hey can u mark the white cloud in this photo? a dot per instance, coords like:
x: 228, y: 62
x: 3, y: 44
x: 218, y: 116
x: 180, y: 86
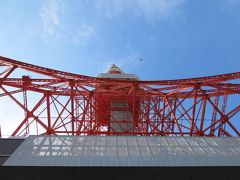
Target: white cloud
x: 110, y: 8
x: 49, y: 14
x: 83, y: 33
x: 157, y: 9
x: 54, y: 27
x: 11, y: 116
x: 149, y: 9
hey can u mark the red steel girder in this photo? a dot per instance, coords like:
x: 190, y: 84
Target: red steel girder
x: 75, y: 104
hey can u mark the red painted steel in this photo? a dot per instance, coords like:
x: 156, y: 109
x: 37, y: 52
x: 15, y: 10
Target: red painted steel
x: 57, y: 102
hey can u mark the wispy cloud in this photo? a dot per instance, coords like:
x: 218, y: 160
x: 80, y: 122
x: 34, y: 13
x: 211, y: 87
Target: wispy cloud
x: 83, y: 33
x: 158, y: 9
x: 111, y: 8
x: 50, y: 16
x: 56, y: 18
x: 9, y: 120
x: 54, y: 27
x: 149, y: 9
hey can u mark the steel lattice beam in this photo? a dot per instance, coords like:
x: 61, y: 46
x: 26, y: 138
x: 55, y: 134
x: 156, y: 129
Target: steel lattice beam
x: 75, y: 104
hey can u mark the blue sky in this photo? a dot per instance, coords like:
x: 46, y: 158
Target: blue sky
x: 175, y: 38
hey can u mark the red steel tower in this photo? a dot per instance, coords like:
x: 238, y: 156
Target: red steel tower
x: 116, y: 103
x: 118, y: 112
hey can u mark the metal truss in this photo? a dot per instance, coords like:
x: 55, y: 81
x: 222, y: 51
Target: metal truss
x: 62, y: 103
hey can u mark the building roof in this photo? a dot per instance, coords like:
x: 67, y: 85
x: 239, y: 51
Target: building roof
x: 122, y: 151
x: 7, y: 147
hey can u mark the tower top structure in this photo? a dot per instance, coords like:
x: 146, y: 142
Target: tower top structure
x: 116, y: 73
x: 115, y: 70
